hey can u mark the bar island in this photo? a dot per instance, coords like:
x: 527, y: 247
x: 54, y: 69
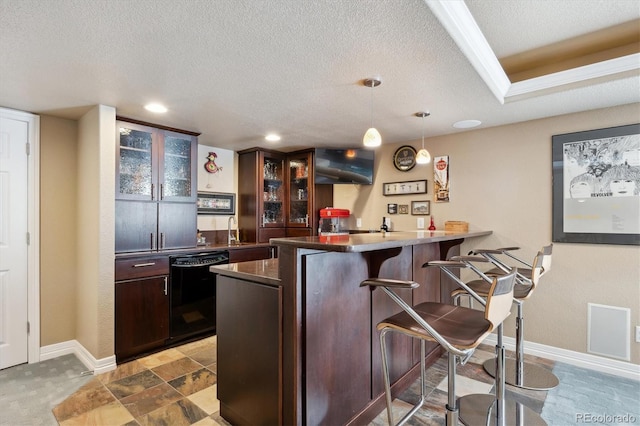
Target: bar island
x: 297, y: 338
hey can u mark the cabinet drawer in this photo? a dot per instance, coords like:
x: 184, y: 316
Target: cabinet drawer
x: 127, y: 269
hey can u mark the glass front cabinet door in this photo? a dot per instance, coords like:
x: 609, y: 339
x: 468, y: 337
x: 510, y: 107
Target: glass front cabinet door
x: 137, y: 158
x: 299, y: 208
x: 177, y: 177
x: 155, y: 164
x: 273, y: 191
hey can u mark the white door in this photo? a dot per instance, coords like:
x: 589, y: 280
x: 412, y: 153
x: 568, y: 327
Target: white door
x: 14, y: 136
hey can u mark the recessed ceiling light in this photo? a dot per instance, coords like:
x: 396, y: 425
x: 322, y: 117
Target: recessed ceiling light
x: 154, y: 107
x: 466, y: 124
x: 272, y: 137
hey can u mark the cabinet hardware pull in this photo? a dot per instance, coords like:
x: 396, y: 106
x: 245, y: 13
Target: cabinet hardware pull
x: 165, y: 286
x: 153, y: 190
x: 152, y: 241
x: 162, y: 240
x: 161, y: 191
x: 142, y: 265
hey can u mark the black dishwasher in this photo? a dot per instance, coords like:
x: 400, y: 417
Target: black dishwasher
x: 193, y: 294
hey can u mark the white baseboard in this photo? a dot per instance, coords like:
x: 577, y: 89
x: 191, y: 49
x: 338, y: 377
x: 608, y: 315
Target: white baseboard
x: 96, y: 366
x: 579, y: 359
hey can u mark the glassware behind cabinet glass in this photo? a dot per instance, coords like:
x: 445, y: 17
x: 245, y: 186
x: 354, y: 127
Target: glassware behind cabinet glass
x: 135, y: 162
x: 177, y: 167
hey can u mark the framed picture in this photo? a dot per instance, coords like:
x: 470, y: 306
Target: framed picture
x: 392, y: 208
x: 403, y: 208
x: 405, y: 188
x: 404, y: 159
x: 420, y: 207
x: 216, y: 203
x: 441, y: 179
x: 596, y: 184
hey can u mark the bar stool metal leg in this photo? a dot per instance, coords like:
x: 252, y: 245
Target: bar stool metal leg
x: 387, y: 381
x: 479, y: 409
x: 517, y: 372
x: 451, y: 416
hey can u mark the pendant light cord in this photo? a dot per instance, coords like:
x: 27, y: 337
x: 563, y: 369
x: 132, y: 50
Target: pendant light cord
x: 373, y: 84
x: 423, y: 116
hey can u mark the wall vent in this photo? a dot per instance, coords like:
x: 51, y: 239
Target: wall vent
x: 608, y: 329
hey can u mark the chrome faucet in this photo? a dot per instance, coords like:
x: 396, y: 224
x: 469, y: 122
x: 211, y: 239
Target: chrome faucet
x: 230, y: 237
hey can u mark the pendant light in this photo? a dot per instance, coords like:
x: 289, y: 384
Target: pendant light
x: 372, y: 137
x: 423, y: 156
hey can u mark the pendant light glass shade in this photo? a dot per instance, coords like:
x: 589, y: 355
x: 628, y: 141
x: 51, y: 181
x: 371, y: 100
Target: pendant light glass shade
x: 423, y: 156
x: 372, y: 138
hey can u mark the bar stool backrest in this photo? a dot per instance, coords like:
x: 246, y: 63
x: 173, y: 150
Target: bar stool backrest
x: 537, y: 271
x: 546, y: 260
x: 500, y: 299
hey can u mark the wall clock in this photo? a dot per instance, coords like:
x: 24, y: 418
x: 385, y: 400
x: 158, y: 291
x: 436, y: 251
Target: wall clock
x: 404, y: 158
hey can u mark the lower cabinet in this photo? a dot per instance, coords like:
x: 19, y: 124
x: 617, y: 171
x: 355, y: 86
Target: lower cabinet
x: 142, y: 315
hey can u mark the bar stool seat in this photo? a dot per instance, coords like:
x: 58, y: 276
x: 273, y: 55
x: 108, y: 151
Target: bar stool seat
x: 461, y: 327
x: 458, y: 330
x: 517, y: 372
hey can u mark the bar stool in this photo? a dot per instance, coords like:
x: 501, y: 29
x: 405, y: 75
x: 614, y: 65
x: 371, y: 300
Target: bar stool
x: 524, y: 273
x: 518, y: 373
x: 457, y: 329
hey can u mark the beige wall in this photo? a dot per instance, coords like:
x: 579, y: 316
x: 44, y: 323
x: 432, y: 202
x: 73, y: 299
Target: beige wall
x: 96, y: 199
x: 58, y: 232
x: 501, y: 181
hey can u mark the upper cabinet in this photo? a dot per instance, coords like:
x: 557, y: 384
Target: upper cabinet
x: 277, y: 195
x: 155, y: 164
x: 272, y: 206
x: 156, y: 188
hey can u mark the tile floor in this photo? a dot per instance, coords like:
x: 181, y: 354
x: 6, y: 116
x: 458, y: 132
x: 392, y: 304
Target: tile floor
x: 173, y: 387
x: 178, y: 387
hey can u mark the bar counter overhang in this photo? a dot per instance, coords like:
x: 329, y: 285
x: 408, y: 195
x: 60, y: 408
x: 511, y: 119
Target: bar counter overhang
x: 326, y: 349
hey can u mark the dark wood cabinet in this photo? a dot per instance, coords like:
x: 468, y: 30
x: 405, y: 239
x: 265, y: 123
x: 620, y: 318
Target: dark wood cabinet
x: 249, y: 320
x: 246, y: 254
x: 155, y: 188
x: 278, y: 196
x: 141, y: 305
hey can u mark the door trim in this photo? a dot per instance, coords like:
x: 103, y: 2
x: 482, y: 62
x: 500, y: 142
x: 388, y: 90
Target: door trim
x: 33, y: 228
x: 33, y: 225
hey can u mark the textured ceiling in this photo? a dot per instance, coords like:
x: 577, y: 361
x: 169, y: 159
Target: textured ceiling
x: 235, y: 70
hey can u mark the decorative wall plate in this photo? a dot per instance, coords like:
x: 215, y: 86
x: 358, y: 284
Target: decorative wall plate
x: 404, y: 158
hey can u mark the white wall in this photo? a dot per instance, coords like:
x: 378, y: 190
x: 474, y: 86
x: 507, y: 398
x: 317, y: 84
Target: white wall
x: 501, y: 181
x: 223, y: 180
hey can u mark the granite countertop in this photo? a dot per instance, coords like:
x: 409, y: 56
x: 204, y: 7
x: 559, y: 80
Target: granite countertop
x: 262, y: 271
x: 374, y: 241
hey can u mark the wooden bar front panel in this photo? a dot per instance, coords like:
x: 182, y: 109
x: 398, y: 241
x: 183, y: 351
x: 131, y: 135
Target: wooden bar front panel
x: 337, y: 339
x: 249, y: 327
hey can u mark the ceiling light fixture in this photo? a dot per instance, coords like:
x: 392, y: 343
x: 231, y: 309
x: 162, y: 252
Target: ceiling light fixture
x: 423, y: 156
x: 155, y: 107
x: 372, y: 137
x: 466, y: 124
x: 272, y: 137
